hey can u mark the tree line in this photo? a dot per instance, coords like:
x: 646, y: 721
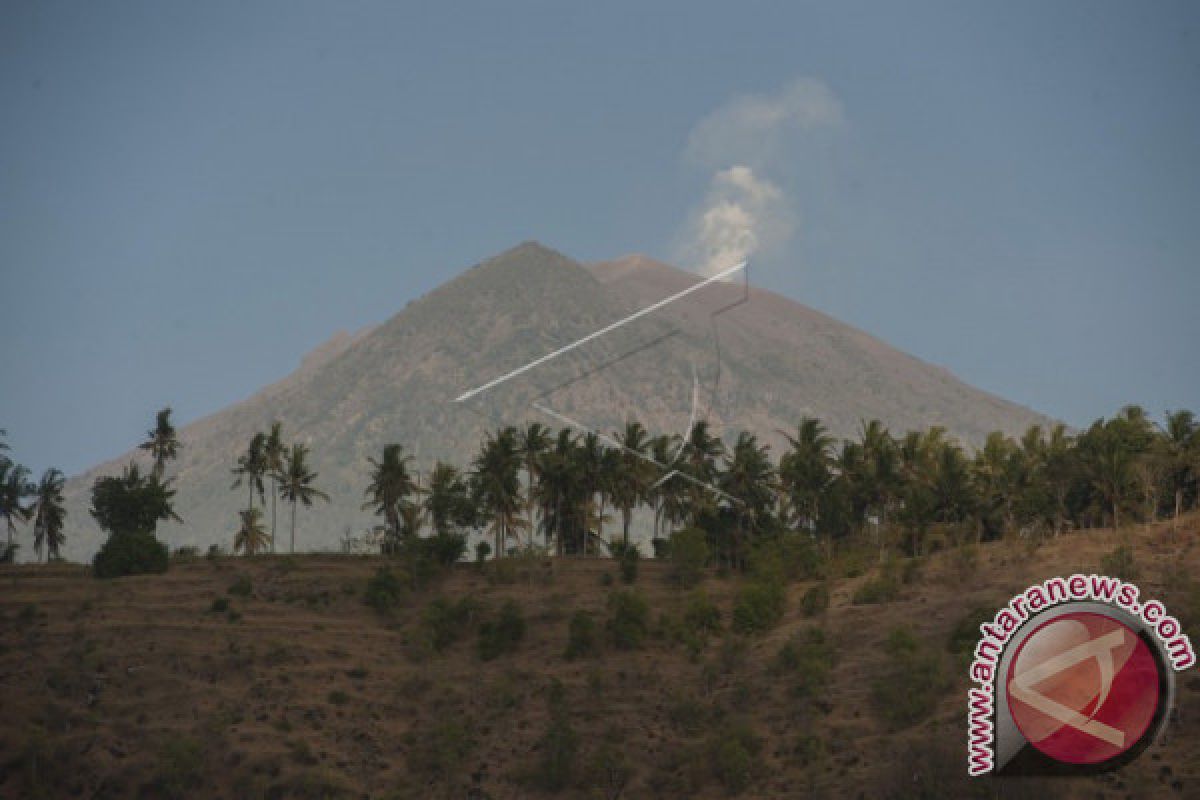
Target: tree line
x: 578, y: 493
x: 568, y: 492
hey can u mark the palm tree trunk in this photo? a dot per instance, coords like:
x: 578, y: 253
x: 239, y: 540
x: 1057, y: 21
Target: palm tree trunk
x: 274, y: 497
x: 1178, y: 504
x: 293, y: 526
x: 626, y: 514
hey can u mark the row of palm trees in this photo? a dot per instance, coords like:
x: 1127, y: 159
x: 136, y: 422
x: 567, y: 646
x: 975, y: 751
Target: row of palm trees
x: 902, y: 490
x: 23, y: 501
x: 267, y: 457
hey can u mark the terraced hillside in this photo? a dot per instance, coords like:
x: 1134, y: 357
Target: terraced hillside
x: 272, y: 678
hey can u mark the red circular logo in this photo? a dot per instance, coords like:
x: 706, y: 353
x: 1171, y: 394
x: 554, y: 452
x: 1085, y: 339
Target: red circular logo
x: 1083, y: 688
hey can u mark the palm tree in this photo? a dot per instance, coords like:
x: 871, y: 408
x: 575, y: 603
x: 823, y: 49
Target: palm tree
x: 1179, y: 450
x: 162, y: 442
x: 806, y: 471
x: 251, y: 537
x: 390, y: 485
x: 497, y: 485
x: 447, y: 500
x: 749, y: 478
x: 630, y: 484
x: 49, y: 513
x: 532, y: 443
x: 558, y: 491
x: 251, y: 467
x: 295, y: 484
x: 700, y: 454
x: 274, y: 452
x: 14, y: 487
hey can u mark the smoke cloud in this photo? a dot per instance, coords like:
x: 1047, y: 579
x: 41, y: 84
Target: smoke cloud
x: 744, y: 212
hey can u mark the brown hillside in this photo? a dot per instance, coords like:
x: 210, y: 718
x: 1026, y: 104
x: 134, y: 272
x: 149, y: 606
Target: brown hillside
x: 138, y: 688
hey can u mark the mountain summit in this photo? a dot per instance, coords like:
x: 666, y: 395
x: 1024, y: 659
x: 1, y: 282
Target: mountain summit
x: 756, y: 365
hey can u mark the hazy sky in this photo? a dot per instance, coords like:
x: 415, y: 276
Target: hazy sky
x: 193, y: 195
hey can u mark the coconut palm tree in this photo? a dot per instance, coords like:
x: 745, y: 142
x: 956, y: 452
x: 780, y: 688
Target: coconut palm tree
x: 447, y: 500
x: 49, y: 513
x: 749, y: 478
x: 390, y: 485
x: 1179, y: 450
x: 558, y: 492
x: 274, y: 452
x: 296, y: 483
x: 806, y: 471
x: 162, y: 442
x: 633, y: 476
x: 14, y: 488
x: 700, y: 453
x: 251, y: 467
x: 532, y: 443
x: 497, y: 486
x: 251, y: 536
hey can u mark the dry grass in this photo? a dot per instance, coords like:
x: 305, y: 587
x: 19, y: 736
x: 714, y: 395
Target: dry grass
x: 294, y: 687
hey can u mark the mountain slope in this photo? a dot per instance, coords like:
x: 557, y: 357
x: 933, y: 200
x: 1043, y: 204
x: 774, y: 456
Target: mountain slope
x: 395, y: 382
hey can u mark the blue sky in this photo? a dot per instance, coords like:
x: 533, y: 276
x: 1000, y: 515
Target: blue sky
x: 194, y: 195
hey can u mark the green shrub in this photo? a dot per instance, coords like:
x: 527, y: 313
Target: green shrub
x: 482, y: 551
x: 582, y: 636
x: 186, y: 552
x: 627, y: 556
x: 338, y: 698
x: 242, y: 586
x: 445, y: 621
x: 759, y: 606
x: 439, y: 753
x: 180, y: 768
x: 912, y: 683
x: 808, y: 658
x: 815, y: 600
x: 219, y: 605
x: 629, y: 619
x: 137, y: 553
x: 662, y: 548
x: 734, y: 755
x: 786, y: 558
x: 558, y: 748
x: 965, y: 633
x: 881, y: 589
x: 443, y: 549
x: 384, y: 590
x: 688, y: 553
x: 503, y: 634
x: 1120, y: 563
x: 701, y: 616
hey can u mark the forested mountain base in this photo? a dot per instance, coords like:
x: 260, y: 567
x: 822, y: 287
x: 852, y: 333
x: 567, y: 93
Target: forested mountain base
x: 340, y: 676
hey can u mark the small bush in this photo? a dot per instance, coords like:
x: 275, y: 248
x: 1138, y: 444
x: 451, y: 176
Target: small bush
x: 482, y: 551
x: 1120, y: 563
x: 242, y: 586
x: 759, y: 606
x: 582, y: 636
x: 384, y: 590
x: 213, y: 552
x: 662, y: 548
x: 688, y: 553
x: 913, y: 682
x: 734, y: 754
x: 629, y: 619
x: 186, y: 552
x: 809, y: 658
x: 701, y: 617
x: 878, y: 590
x: 559, y: 748
x: 445, y: 621
x: 815, y: 600
x: 965, y: 633
x: 130, y: 554
x: 627, y: 556
x: 503, y: 634
x: 180, y: 768
x: 219, y: 605
x: 338, y: 698
x: 439, y: 753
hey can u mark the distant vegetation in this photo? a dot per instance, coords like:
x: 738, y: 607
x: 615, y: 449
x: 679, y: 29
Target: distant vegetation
x: 906, y: 494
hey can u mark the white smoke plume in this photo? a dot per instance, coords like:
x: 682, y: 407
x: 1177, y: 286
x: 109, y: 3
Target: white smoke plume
x: 744, y: 212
